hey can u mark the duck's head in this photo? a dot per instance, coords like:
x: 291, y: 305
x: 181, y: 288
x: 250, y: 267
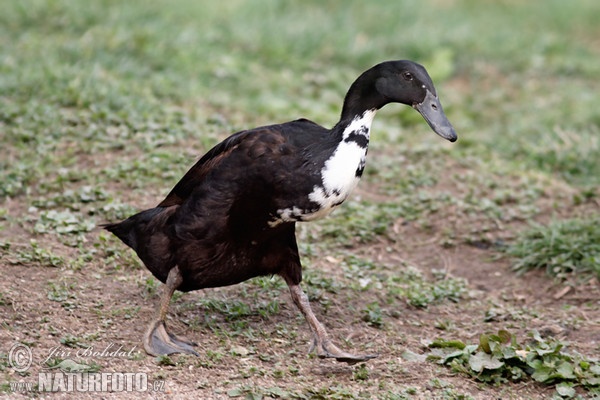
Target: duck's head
x: 409, y: 83
x: 403, y: 82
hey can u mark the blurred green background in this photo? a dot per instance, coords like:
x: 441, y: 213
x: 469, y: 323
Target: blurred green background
x: 518, y: 79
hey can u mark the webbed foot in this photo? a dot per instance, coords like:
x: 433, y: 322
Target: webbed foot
x: 321, y: 344
x: 326, y: 349
x: 158, y: 341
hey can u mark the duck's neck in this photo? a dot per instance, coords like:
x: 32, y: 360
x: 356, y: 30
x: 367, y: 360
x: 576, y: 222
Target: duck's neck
x: 358, y: 128
x: 361, y: 99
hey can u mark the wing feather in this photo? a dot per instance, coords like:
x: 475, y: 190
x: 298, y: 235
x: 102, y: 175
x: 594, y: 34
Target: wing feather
x: 198, y: 172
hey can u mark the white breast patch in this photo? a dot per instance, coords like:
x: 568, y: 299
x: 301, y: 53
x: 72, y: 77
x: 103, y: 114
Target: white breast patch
x: 339, y: 175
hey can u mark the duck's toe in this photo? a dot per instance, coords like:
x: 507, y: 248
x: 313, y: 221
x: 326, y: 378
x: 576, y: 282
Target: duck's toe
x: 355, y: 358
x: 158, y: 341
x: 326, y: 349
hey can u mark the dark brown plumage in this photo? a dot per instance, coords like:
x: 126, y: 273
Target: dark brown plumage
x: 232, y: 216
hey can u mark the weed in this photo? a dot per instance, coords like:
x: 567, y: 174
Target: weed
x: 73, y: 341
x: 6, y: 387
x: 62, y: 222
x: 332, y: 392
x: 373, y: 315
x: 364, y: 221
x: 259, y: 393
x: 360, y: 373
x: 165, y: 360
x: 71, y: 199
x: 125, y: 312
x: 4, y: 301
x: 115, y: 211
x: 71, y: 366
x: 562, y: 248
x: 60, y: 292
x: 267, y: 309
x: 38, y: 255
x: 420, y: 293
x: 571, y: 153
x: 114, y: 254
x: 4, y: 362
x: 230, y: 310
x: 316, y: 281
x: 500, y: 358
x: 151, y: 286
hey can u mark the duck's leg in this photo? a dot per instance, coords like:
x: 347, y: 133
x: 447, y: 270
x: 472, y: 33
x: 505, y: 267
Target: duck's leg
x: 157, y: 340
x: 321, y: 342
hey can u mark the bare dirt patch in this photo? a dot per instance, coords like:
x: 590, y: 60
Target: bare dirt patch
x: 62, y: 313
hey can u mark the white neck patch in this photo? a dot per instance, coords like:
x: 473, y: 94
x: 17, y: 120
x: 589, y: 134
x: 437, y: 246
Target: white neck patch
x: 340, y: 174
x: 360, y: 123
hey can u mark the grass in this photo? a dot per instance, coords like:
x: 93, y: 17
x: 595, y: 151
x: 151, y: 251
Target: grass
x: 104, y: 105
x: 562, y: 248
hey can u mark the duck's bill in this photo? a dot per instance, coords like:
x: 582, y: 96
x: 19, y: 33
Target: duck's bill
x: 431, y: 109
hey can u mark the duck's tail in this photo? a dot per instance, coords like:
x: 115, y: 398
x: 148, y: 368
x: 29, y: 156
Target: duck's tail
x: 145, y: 233
x: 130, y: 230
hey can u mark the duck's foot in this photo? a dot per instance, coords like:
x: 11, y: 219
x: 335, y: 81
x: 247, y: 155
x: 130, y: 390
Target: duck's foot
x: 325, y: 349
x: 158, y: 341
x: 321, y: 343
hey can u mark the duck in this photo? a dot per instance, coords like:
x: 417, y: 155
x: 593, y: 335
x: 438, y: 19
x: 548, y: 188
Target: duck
x: 233, y: 215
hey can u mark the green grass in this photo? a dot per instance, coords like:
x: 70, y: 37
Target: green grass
x: 562, y: 248
x: 104, y: 105
x: 78, y: 78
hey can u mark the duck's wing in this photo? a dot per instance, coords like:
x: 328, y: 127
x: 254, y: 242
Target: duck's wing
x: 198, y: 172
x: 247, y: 147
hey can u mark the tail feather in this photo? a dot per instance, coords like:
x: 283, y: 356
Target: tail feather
x: 122, y: 230
x: 133, y: 227
x: 145, y: 233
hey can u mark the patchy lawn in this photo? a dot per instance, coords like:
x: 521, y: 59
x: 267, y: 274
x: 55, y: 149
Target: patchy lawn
x: 104, y: 106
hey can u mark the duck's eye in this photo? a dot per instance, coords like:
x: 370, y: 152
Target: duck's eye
x: 407, y: 76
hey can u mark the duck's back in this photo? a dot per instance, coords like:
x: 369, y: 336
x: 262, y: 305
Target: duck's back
x: 230, y: 201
